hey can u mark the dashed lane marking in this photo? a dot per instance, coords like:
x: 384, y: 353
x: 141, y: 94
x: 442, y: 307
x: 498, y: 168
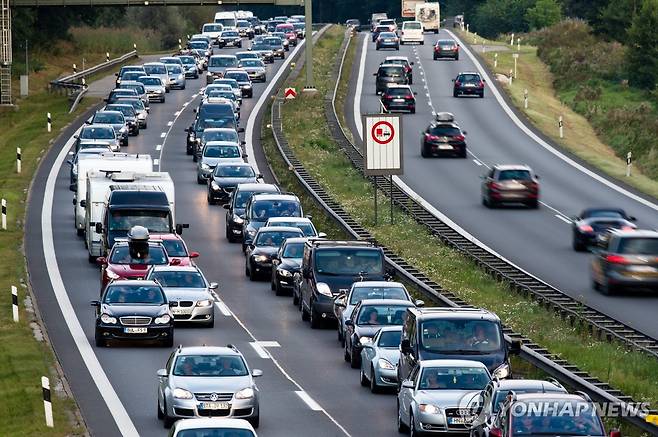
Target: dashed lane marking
x: 158, y: 147
x: 163, y: 134
x: 308, y: 400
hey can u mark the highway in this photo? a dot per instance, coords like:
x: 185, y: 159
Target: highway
x: 538, y: 241
x: 307, y: 388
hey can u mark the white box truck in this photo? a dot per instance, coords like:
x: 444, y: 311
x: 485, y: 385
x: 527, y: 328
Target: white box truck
x: 429, y: 15
x: 106, y: 162
x: 408, y: 8
x: 100, y: 186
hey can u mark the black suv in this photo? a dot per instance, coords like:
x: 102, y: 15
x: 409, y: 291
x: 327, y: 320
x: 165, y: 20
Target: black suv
x: 261, y: 207
x: 389, y: 74
x: 443, y: 137
x: 235, y: 208
x: 470, y: 84
x: 328, y: 269
x: 454, y: 333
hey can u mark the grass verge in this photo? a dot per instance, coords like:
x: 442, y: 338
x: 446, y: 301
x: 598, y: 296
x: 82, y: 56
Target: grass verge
x: 307, y: 133
x: 545, y: 106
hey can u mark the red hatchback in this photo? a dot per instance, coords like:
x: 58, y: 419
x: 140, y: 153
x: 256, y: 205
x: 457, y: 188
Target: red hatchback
x: 289, y: 30
x: 176, y: 249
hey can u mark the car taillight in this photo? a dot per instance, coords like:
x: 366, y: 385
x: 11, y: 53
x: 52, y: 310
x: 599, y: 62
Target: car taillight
x: 456, y: 48
x: 459, y: 137
x: 409, y: 96
x: 436, y: 48
x: 586, y: 228
x: 431, y: 137
x: 627, y: 228
x: 457, y: 83
x: 481, y: 85
x: 617, y: 259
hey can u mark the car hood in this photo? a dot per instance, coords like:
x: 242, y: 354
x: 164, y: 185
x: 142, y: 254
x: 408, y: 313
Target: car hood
x: 120, y: 310
x: 446, y: 398
x: 392, y: 355
x: 254, y: 69
x: 216, y: 69
x: 232, y: 182
x: 129, y: 269
x: 180, y: 293
x: 240, y: 212
x: 212, y: 162
x: 264, y: 250
x: 206, y: 384
x: 153, y: 87
x: 368, y: 330
x: 292, y: 264
x: 490, y: 359
x: 343, y: 283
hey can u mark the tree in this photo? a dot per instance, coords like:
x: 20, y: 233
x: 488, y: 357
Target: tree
x: 500, y: 16
x: 543, y: 14
x: 615, y: 19
x: 642, y: 55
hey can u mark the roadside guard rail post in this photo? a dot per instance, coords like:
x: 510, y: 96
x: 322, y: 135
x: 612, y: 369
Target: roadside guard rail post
x: 74, y: 85
x: 533, y: 353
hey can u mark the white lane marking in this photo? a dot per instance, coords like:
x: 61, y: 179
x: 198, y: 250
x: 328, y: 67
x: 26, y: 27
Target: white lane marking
x: 171, y: 126
x: 221, y: 306
x: 478, y: 163
x: 163, y: 134
x: 176, y: 113
x: 308, y: 400
x: 156, y: 162
x: 158, y: 147
x: 264, y: 97
x: 260, y: 350
x: 543, y: 143
x: 169, y: 123
x: 185, y: 104
x: 107, y: 392
x: 567, y: 221
x: 359, y: 88
x: 269, y: 343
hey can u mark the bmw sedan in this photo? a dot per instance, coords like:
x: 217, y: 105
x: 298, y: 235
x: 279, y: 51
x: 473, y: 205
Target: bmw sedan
x: 379, y: 359
x: 258, y: 255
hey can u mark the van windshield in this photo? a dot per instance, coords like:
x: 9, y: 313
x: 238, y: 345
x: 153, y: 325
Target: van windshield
x: 460, y: 336
x: 154, y: 221
x: 346, y: 261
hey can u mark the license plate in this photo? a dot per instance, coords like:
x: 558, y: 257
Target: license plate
x: 642, y: 269
x: 135, y: 330
x: 181, y: 310
x: 459, y: 420
x: 469, y: 85
x: 390, y: 40
x: 398, y: 100
x: 214, y: 406
x: 445, y: 147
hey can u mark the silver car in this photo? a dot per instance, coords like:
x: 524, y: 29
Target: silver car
x: 188, y: 292
x: 114, y: 119
x: 255, y: 68
x: 379, y: 359
x: 176, y: 76
x: 139, y: 88
x: 440, y: 396
x: 141, y: 110
x: 235, y: 86
x: 207, y: 381
x: 215, y: 152
x: 190, y: 66
x: 158, y: 69
x: 155, y: 88
x: 218, y: 64
x: 97, y: 135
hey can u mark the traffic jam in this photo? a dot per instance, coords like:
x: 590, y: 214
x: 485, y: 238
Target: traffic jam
x: 446, y: 369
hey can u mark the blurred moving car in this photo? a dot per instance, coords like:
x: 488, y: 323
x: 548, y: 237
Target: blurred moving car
x: 510, y: 184
x: 593, y: 223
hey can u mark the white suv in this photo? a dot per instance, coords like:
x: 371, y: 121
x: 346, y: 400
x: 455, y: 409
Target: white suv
x: 412, y: 31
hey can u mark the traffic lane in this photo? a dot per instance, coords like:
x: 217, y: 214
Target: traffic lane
x: 513, y: 235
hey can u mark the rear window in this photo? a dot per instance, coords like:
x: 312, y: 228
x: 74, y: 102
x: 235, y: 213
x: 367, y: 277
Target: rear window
x: 391, y: 71
x: 222, y: 152
x: 387, y: 35
x: 444, y: 131
x: 469, y: 78
x: 639, y: 246
x: 446, y: 43
x: 414, y: 25
x: 155, y: 69
x: 518, y: 175
x: 230, y: 34
x: 238, y: 75
x: 150, y: 80
x: 212, y: 27
x: 223, y: 61
x: 398, y: 91
x: 108, y: 118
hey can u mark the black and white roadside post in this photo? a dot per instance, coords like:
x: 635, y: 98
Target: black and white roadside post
x: 107, y: 56
x: 18, y: 160
x: 135, y: 46
x: 382, y: 149
x: 560, y: 125
x: 47, y: 404
x: 495, y: 60
x: 75, y: 69
x: 511, y: 42
x: 518, y: 44
x: 4, y: 215
x: 49, y: 121
x: 511, y: 75
x: 629, y: 164
x: 525, y: 98
x: 14, y: 302
x: 84, y: 83
x: 516, y: 58
x: 180, y: 44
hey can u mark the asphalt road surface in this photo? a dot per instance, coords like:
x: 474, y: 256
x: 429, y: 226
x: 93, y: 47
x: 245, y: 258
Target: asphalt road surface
x: 539, y: 241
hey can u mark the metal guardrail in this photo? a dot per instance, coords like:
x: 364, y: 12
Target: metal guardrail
x: 532, y: 352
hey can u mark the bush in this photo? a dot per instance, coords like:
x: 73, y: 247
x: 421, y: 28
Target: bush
x: 643, y: 42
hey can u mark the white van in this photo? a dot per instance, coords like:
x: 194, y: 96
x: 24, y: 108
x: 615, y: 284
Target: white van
x: 227, y: 19
x: 412, y: 31
x: 213, y: 30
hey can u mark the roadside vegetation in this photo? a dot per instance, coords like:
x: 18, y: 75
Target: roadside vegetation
x: 307, y: 133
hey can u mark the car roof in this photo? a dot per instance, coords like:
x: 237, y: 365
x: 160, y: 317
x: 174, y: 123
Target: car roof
x: 395, y: 58
x: 538, y: 384
x: 387, y: 302
x: 365, y: 284
x: 233, y: 164
x: 154, y: 63
x: 133, y: 282
x: 255, y: 186
x: 451, y: 363
x: 503, y: 167
x: 551, y: 396
x: 296, y: 240
x: 398, y: 85
x: 98, y: 126
x: 167, y: 268
x: 108, y: 111
x: 207, y: 350
x: 278, y: 229
x: 430, y: 313
x: 223, y: 56
x: 348, y: 244
x: 391, y: 328
x: 289, y: 219
x: 274, y: 196
x: 390, y: 65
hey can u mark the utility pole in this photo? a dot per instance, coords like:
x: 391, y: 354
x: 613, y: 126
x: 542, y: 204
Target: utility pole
x: 308, y: 16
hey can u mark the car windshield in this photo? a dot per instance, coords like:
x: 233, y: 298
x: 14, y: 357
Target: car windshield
x: 108, y: 118
x: 444, y: 131
x: 414, y: 25
x: 234, y: 171
x: 230, y: 34
x: 126, y: 110
x: 223, y: 61
x: 516, y: 175
x: 219, y: 135
x: 226, y: 121
x: 260, y: 46
x: 252, y: 63
x: 556, y: 417
x: 231, y: 82
x: 374, y: 292
x: 639, y: 246
x: 453, y: 378
x: 175, y: 247
x: 215, y: 110
x: 199, y: 45
x: 133, y: 294
x: 179, y: 279
x: 385, y: 35
x: 155, y: 69
x: 131, y: 75
x: 272, y: 41
x: 390, y: 339
x: 346, y: 261
x: 293, y: 250
x: 262, y: 210
x: 125, y: 219
x: 240, y: 76
x: 299, y: 26
x: 391, y: 71
x: 97, y: 133
x: 153, y: 81
x: 139, y: 88
x: 607, y: 213
x: 221, y: 152
x: 137, y: 104
x: 209, y: 365
x: 187, y: 60
x: 121, y: 255
x: 174, y: 69
x: 274, y: 238
x: 306, y: 227
x: 399, y: 92
x: 212, y: 28
x: 381, y: 315
x: 469, y: 78
x: 461, y: 336
x: 243, y: 196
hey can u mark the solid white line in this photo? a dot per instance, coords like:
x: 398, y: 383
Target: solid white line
x: 260, y: 350
x: 478, y: 163
x: 359, y: 88
x: 176, y: 113
x: 109, y: 395
x: 567, y: 221
x: 224, y: 309
x: 543, y: 143
x: 269, y: 343
x: 308, y: 400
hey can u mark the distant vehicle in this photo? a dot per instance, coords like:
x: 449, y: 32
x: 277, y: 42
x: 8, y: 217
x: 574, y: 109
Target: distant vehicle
x: 593, y: 223
x: 354, y: 23
x: 255, y: 68
x: 389, y: 74
x: 226, y: 19
x: 429, y: 14
x: 303, y: 223
x: 116, y: 120
x: 190, y: 66
x: 458, y: 21
x: 125, y: 69
x: 244, y: 29
x: 412, y: 31
x: 284, y: 39
x: 229, y: 38
x: 264, y: 51
x: 212, y: 30
x: 275, y: 44
x: 376, y: 18
x: 468, y: 83
x: 176, y: 76
x: 218, y: 64
x: 242, y: 78
x: 159, y: 70
x: 265, y: 245
x: 391, y: 23
x: 216, y: 152
x: 235, y: 209
x: 141, y: 111
x: 120, y: 92
x: 446, y: 48
x: 262, y: 207
x: 377, y: 30
x: 387, y: 40
x: 510, y: 184
x: 398, y: 98
x: 443, y: 137
x: 379, y: 358
x: 97, y: 136
x: 129, y: 115
x: 226, y: 177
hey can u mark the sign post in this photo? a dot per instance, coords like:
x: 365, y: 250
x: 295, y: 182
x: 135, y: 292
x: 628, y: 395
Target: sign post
x: 382, y: 151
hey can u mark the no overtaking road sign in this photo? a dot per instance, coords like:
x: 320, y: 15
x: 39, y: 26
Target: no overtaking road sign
x: 383, y: 144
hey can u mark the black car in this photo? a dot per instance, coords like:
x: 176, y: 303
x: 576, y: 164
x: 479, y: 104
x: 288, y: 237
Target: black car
x: 262, y: 207
x: 470, y: 84
x: 329, y: 268
x: 133, y: 310
x: 593, y: 223
x: 235, y: 208
x: 368, y: 317
x: 229, y: 38
x: 399, y: 98
x: 268, y: 240
x: 443, y: 137
x: 226, y: 177
x: 286, y: 263
x: 389, y: 74
x: 446, y: 48
x: 404, y: 61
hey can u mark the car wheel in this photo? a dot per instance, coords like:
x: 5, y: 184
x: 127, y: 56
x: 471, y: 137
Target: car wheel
x: 255, y: 421
x: 413, y: 110
x: 339, y: 333
x: 482, y: 95
x: 162, y: 100
x: 194, y: 157
x: 411, y: 81
x: 533, y: 204
x: 578, y: 245
x: 377, y: 48
x: 168, y: 421
x: 397, y: 48
x: 455, y: 94
x: 295, y: 299
x: 160, y: 415
x: 412, y: 428
x: 252, y: 274
x: 402, y: 428
x: 278, y: 291
x: 305, y: 315
x: 246, y: 270
x: 462, y: 153
x: 210, y: 201
x: 457, y: 58
x: 354, y: 358
x: 374, y: 388
x: 435, y: 57
x: 362, y: 378
x: 607, y: 289
x: 80, y: 232
x: 423, y: 152
x: 100, y: 341
x: 346, y: 354
x: 143, y: 127
x: 211, y: 323
x: 316, y: 322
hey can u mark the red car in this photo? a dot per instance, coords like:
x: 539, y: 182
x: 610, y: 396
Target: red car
x: 289, y: 30
x: 120, y: 263
x: 176, y: 249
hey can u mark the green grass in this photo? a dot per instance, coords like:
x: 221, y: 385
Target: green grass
x: 307, y: 133
x: 117, y: 41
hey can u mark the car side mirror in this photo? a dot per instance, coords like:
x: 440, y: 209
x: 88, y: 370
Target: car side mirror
x: 96, y: 303
x: 420, y: 303
x: 116, y: 74
x: 515, y: 347
x: 194, y: 254
x: 349, y: 323
x: 83, y: 203
x: 180, y: 227
x: 240, y: 130
x: 244, y: 155
x: 250, y: 246
x: 256, y: 373
x: 226, y: 206
x: 76, y: 136
x: 213, y: 286
x: 407, y: 383
x: 101, y: 260
x: 88, y: 122
x: 194, y: 110
x: 374, y: 74
x: 275, y: 256
x: 405, y: 347
x: 537, y: 176
x: 99, y: 228
x: 162, y: 373
x: 322, y: 235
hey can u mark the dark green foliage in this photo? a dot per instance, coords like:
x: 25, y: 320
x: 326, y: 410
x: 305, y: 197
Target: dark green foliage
x: 642, y: 54
x: 500, y: 16
x: 543, y: 14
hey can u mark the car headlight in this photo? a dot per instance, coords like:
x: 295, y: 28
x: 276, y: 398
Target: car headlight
x: 501, y: 371
x: 324, y: 289
x: 163, y: 320
x: 214, y: 185
x: 429, y: 409
x: 181, y: 76
x: 205, y: 166
x: 260, y: 258
x: 245, y: 393
x: 141, y: 115
x: 74, y: 169
x: 237, y: 219
x: 181, y: 393
x: 123, y: 130
x: 106, y: 318
x: 110, y: 274
x: 251, y: 232
x: 221, y: 39
x: 204, y: 303
x: 385, y: 364
x: 365, y: 340
x: 286, y: 273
